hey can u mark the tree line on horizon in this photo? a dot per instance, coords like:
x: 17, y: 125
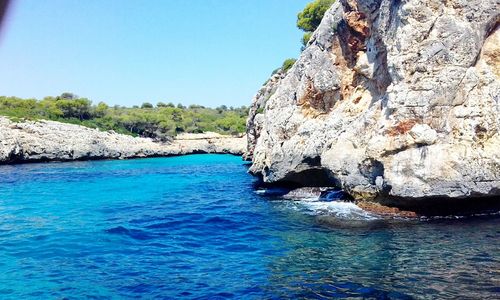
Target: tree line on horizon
x: 161, y: 121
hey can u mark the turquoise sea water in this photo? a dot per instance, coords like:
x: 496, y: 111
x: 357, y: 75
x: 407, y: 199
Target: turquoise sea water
x: 192, y: 227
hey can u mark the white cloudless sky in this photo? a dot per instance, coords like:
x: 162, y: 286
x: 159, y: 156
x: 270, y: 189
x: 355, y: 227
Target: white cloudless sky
x: 126, y: 52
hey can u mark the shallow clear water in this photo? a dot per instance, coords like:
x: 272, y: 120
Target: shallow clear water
x: 193, y: 227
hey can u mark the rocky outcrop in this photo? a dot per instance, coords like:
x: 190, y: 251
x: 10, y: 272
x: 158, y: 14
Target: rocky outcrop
x: 390, y: 100
x: 53, y: 141
x: 256, y: 111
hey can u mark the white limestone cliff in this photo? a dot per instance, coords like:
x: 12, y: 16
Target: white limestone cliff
x: 390, y: 99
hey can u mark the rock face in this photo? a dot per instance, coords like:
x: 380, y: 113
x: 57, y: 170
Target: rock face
x: 390, y: 100
x: 256, y: 111
x: 54, y: 141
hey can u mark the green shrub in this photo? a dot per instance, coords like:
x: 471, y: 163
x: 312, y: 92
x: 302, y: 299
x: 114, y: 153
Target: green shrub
x: 305, y: 38
x: 310, y: 18
x: 287, y: 64
x: 147, y: 105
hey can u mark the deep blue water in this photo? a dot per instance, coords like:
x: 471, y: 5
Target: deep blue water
x: 192, y: 227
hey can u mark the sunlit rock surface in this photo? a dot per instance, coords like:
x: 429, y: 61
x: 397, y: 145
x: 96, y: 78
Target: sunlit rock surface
x: 391, y: 99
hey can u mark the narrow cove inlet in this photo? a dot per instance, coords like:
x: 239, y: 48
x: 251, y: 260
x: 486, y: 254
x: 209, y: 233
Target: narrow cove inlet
x: 264, y: 149
x: 193, y: 227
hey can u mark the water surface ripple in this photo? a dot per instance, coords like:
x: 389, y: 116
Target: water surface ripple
x: 192, y: 227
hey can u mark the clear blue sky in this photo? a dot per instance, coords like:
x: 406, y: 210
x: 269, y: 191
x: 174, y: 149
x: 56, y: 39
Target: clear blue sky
x: 126, y: 52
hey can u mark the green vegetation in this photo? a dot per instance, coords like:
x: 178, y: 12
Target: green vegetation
x: 310, y: 18
x: 306, y: 37
x: 287, y: 64
x: 160, y: 122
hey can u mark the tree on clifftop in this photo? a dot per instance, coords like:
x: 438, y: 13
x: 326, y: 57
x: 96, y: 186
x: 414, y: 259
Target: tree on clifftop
x: 310, y: 18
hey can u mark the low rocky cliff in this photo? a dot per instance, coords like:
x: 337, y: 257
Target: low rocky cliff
x: 391, y: 99
x: 53, y: 141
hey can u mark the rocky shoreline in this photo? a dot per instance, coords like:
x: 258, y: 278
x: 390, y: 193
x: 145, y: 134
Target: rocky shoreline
x: 395, y: 103
x: 41, y: 141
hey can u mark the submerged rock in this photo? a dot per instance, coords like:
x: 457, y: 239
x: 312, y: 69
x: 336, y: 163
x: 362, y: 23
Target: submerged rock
x: 381, y: 210
x: 390, y: 100
x: 54, y: 141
